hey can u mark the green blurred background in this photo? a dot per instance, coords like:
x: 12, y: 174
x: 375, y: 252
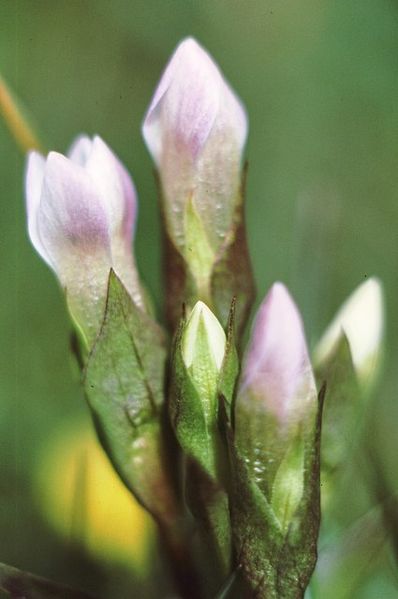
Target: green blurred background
x: 320, y: 82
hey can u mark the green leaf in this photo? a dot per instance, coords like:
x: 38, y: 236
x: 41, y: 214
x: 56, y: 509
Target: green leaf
x: 124, y: 387
x: 22, y: 585
x: 342, y: 411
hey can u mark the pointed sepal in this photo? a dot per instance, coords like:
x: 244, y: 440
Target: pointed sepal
x: 124, y: 388
x: 343, y: 414
x: 276, y: 561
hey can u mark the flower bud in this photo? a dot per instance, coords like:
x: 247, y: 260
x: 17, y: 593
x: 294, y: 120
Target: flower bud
x: 81, y: 215
x: 198, y: 360
x: 360, y: 318
x: 195, y: 129
x: 277, y: 371
x: 276, y: 402
x: 203, y: 347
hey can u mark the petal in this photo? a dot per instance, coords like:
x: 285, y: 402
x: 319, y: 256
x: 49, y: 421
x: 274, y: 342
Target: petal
x: 80, y: 149
x: 71, y: 218
x: 202, y: 318
x: 361, y: 319
x: 115, y: 186
x: 190, y: 96
x: 277, y: 368
x: 33, y: 189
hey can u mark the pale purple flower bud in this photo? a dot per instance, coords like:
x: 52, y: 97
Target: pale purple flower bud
x: 277, y: 371
x: 195, y: 129
x: 81, y: 215
x: 277, y: 404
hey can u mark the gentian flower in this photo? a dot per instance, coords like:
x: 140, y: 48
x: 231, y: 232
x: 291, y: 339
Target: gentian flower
x: 81, y: 216
x: 195, y: 129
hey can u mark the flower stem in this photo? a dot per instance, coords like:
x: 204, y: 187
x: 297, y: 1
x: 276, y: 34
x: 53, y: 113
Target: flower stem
x: 17, y: 123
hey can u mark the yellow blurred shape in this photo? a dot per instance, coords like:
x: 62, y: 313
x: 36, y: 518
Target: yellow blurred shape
x: 17, y: 122
x: 85, y: 501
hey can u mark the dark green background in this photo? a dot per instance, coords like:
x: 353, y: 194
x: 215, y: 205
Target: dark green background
x: 320, y: 82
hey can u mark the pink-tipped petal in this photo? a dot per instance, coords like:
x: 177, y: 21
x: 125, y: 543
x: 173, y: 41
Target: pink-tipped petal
x: 70, y: 220
x: 191, y: 96
x: 81, y: 216
x: 33, y: 188
x: 115, y: 186
x: 277, y: 368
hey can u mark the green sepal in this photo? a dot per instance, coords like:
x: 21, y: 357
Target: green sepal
x: 232, y: 275
x: 18, y: 584
x: 288, y: 484
x: 230, y: 366
x: 256, y: 531
x: 342, y: 411
x: 276, y: 561
x: 194, y: 428
x: 199, y: 255
x: 124, y: 388
x: 300, y: 544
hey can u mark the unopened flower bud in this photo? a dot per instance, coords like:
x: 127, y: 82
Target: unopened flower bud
x: 195, y: 129
x: 360, y: 318
x: 277, y: 371
x: 276, y: 402
x: 81, y: 215
x: 203, y: 347
x: 194, y: 403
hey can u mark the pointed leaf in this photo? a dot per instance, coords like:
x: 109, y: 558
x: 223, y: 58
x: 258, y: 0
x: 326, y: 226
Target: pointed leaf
x: 342, y: 411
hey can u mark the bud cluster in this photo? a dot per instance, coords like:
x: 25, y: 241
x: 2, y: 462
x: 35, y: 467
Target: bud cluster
x: 245, y: 437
